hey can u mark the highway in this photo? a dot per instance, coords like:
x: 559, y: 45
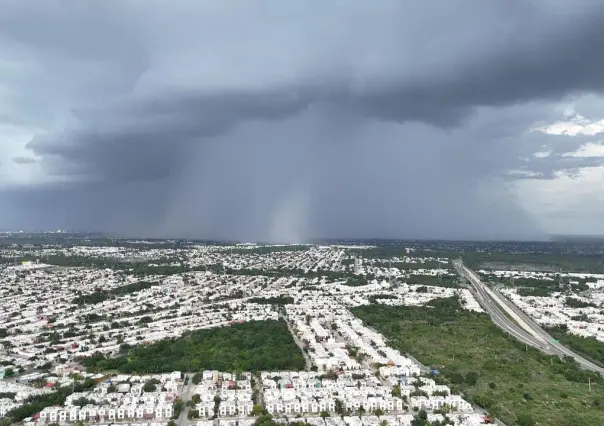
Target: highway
x: 513, y: 320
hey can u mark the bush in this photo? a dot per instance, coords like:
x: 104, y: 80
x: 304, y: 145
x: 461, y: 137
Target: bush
x: 525, y: 419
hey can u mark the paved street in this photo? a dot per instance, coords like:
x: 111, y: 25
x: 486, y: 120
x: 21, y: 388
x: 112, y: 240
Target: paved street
x: 307, y: 362
x: 187, y: 393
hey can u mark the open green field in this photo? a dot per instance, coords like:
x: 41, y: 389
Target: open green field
x: 519, y: 386
x: 251, y: 346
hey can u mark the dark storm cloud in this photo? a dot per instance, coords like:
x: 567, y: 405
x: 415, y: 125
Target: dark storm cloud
x: 284, y: 121
x: 24, y: 160
x: 148, y: 141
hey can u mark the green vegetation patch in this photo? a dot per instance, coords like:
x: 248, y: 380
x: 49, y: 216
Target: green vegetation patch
x: 553, y: 262
x: 251, y: 346
x: 100, y: 295
x: 573, y: 302
x: 590, y: 347
x: 357, y: 281
x: 433, y: 280
x: 516, y: 384
x: 281, y: 300
x: 36, y: 403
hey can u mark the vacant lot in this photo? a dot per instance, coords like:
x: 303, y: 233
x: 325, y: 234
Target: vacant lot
x: 252, y: 346
x: 494, y: 371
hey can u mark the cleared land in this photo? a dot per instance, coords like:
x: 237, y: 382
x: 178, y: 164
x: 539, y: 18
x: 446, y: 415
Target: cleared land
x: 252, y: 346
x: 518, y: 385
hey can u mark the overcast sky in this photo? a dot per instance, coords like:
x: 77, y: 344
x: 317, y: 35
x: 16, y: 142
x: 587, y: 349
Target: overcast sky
x: 287, y: 120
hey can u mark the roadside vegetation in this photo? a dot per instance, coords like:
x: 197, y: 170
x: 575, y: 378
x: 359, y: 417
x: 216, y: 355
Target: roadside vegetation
x: 251, y: 346
x: 518, y: 385
x: 589, y: 347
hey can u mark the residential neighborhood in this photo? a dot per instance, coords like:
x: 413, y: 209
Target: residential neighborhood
x: 62, y: 306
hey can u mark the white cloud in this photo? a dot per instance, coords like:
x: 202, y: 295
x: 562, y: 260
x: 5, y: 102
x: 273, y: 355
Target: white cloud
x: 588, y: 150
x: 569, y: 201
x: 522, y: 174
x: 577, y: 125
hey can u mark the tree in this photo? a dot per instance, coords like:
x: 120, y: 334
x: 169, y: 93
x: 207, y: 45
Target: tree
x: 324, y: 414
x: 444, y: 409
x: 472, y: 378
x: 257, y: 410
x: 217, y: 401
x: 172, y: 423
x: 361, y: 410
x: 9, y: 372
x: 331, y: 375
x: 421, y: 419
x: 378, y: 412
x: 196, y: 398
x: 417, y: 422
x: 196, y: 378
x: 339, y: 406
x: 265, y: 420
x: 111, y: 388
x: 149, y: 386
x: 456, y: 378
x: 177, y: 407
x: 396, y: 391
x: 190, y: 403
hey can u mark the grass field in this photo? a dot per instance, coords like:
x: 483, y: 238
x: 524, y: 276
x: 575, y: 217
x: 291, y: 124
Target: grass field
x: 517, y: 385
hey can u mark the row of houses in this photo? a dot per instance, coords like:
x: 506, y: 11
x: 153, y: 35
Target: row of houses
x: 100, y: 414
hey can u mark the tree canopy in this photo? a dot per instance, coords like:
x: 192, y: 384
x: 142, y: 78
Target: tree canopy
x: 251, y: 346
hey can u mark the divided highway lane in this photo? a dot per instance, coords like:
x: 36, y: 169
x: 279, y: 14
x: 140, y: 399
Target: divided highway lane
x: 499, y: 317
x: 558, y: 348
x: 513, y: 320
